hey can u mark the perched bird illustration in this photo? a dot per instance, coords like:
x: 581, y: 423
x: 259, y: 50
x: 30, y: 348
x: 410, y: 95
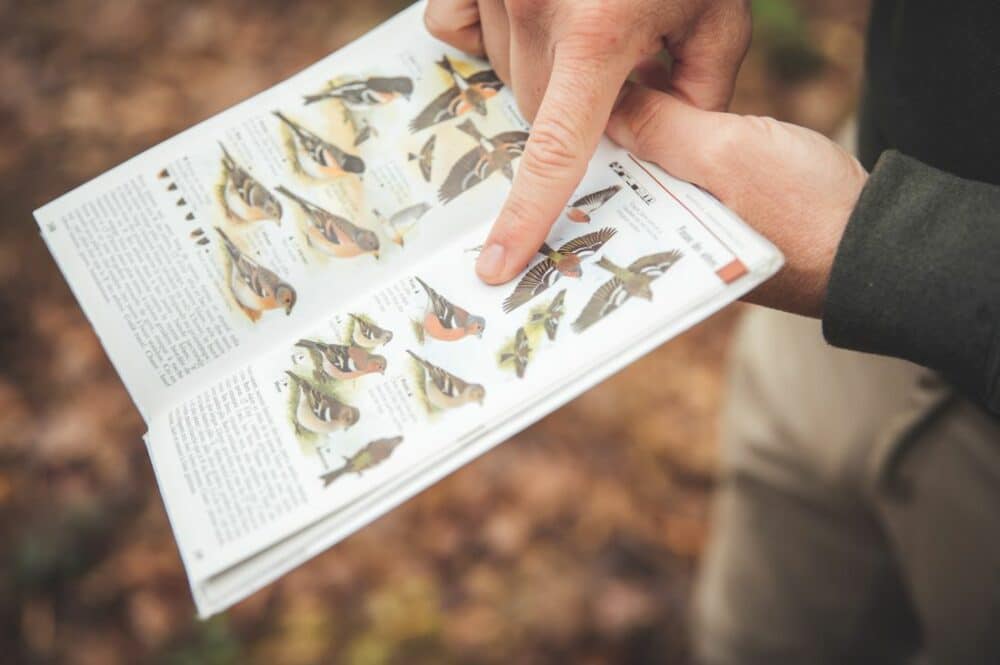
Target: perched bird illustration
x: 342, y: 361
x: 489, y: 156
x: 585, y: 206
x: 403, y: 221
x: 369, y: 335
x: 519, y: 354
x: 318, y: 158
x: 244, y: 197
x: 255, y: 288
x: 425, y: 160
x: 557, y: 263
x: 446, y: 321
x: 445, y: 390
x: 469, y: 93
x: 552, y: 315
x: 361, y: 95
x: 635, y: 281
x: 368, y: 457
x: 333, y: 234
x: 318, y: 412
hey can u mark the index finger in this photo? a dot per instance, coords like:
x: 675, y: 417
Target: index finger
x: 571, y: 119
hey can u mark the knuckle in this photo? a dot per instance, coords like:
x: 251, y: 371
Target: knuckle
x: 644, y: 121
x: 722, y: 144
x: 435, y: 24
x: 596, y: 30
x: 554, y: 148
x: 521, y: 222
x: 525, y: 11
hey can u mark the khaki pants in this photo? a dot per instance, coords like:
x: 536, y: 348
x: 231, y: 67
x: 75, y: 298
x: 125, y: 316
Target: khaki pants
x: 858, y: 520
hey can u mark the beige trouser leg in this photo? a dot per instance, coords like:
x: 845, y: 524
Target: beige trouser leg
x: 858, y: 519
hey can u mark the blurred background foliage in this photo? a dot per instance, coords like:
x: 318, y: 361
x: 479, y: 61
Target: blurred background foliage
x: 574, y: 542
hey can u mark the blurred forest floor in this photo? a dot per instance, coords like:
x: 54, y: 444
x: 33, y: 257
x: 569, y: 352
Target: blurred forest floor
x: 575, y: 542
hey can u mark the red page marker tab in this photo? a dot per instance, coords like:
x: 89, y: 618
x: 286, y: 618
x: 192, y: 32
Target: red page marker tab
x: 732, y: 271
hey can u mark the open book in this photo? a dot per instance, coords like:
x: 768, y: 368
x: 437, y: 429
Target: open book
x: 287, y: 290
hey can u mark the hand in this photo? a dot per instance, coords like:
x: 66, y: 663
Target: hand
x: 566, y: 61
x: 794, y: 186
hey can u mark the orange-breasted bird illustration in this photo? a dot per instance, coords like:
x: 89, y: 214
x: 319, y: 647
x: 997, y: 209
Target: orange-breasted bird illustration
x: 342, y: 361
x: 635, y: 281
x: 255, y: 288
x: 425, y: 159
x: 333, y: 234
x: 519, y: 354
x: 585, y: 206
x: 564, y: 262
x: 244, y: 197
x: 369, y: 335
x: 318, y: 412
x: 552, y: 315
x: 319, y: 158
x: 469, y: 93
x: 488, y: 157
x: 373, y: 454
x: 365, y: 94
x: 444, y: 390
x: 446, y: 321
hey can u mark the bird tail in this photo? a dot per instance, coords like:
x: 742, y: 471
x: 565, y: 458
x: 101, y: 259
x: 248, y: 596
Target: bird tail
x: 330, y: 476
x: 294, y: 377
x: 231, y: 248
x: 445, y: 64
x: 423, y: 363
x: 291, y: 125
x: 545, y: 249
x: 607, y: 264
x: 410, y: 157
x: 227, y: 159
x: 470, y: 128
x: 312, y: 99
x: 430, y: 292
x: 307, y: 344
x: 295, y: 197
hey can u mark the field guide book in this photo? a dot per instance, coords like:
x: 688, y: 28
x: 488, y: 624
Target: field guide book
x: 288, y: 292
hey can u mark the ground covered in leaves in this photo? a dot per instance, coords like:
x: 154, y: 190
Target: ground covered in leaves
x: 574, y: 542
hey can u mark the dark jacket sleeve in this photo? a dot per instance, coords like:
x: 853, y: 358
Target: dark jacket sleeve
x: 917, y: 275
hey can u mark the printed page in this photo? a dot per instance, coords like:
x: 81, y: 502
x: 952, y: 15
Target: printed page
x: 193, y: 257
x: 416, y: 377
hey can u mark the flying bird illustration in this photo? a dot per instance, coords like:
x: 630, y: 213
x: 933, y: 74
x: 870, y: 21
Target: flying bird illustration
x: 373, y: 454
x: 244, y: 197
x: 255, y: 288
x: 369, y: 335
x: 425, y: 159
x: 342, y: 361
x: 333, y: 234
x: 585, y: 206
x: 635, y: 281
x: 519, y: 354
x: 403, y: 221
x: 552, y: 315
x: 362, y: 95
x: 467, y: 94
x: 444, y: 390
x: 318, y: 158
x: 318, y: 412
x: 446, y: 321
x: 489, y: 156
x: 557, y: 263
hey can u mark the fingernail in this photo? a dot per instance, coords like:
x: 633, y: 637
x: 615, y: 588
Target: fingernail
x: 490, y: 262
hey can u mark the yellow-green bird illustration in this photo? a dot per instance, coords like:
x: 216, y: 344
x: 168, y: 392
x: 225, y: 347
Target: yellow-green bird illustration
x: 369, y: 335
x: 318, y: 412
x: 342, y: 361
x: 244, y: 197
x: 552, y: 315
x: 368, y: 457
x: 333, y: 234
x: 635, y: 281
x: 319, y: 158
x: 519, y: 354
x: 255, y: 288
x: 445, y: 390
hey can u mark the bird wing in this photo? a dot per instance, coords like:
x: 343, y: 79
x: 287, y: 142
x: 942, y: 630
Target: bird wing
x: 605, y: 300
x: 541, y: 276
x: 427, y: 157
x: 438, y: 110
x: 588, y: 244
x: 471, y: 169
x: 486, y: 78
x: 511, y: 142
x: 655, y: 265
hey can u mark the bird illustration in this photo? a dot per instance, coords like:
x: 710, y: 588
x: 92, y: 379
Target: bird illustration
x: 489, y: 156
x: 635, y: 281
x: 318, y: 158
x: 445, y: 390
x: 342, y: 361
x: 519, y: 354
x: 368, y: 335
x: 244, y: 197
x: 255, y: 288
x: 585, y: 206
x: 552, y: 315
x: 557, y: 263
x: 361, y: 95
x: 333, y: 234
x: 403, y: 221
x: 425, y: 159
x: 318, y: 412
x: 446, y: 321
x: 373, y: 454
x: 469, y: 93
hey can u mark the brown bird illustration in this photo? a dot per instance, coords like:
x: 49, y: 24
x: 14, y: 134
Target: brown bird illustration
x: 244, y: 197
x: 467, y: 94
x: 368, y: 457
x: 318, y: 412
x: 367, y: 334
x: 635, y: 281
x: 342, y: 361
x: 318, y: 158
x: 519, y: 354
x: 585, y: 206
x: 446, y: 321
x: 255, y: 288
x: 333, y: 234
x: 362, y: 95
x: 444, y: 390
x: 488, y: 157
x: 557, y: 263
x: 425, y: 160
x: 552, y: 315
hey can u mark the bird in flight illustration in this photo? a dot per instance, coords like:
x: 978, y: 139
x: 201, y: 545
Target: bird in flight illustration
x: 585, y: 206
x: 373, y: 454
x: 425, y: 159
x: 244, y: 197
x: 519, y: 354
x: 468, y: 93
x: 635, y: 281
x: 489, y: 156
x: 318, y: 412
x: 552, y: 315
x: 318, y: 158
x: 333, y: 234
x: 367, y: 334
x: 564, y: 262
x: 444, y: 390
x: 255, y: 288
x: 342, y: 361
x: 446, y: 321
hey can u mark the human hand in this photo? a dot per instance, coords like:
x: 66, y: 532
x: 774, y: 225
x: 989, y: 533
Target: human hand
x: 566, y: 61
x: 793, y: 185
